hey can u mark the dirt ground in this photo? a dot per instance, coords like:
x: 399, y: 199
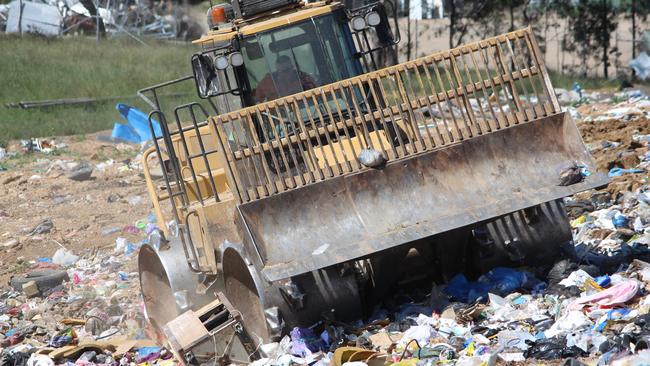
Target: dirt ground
x: 90, y: 215
x: 87, y: 215
x: 612, y: 146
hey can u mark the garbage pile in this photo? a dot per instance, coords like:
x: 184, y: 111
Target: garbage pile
x: 592, y: 306
x: 152, y: 18
x: 81, y: 310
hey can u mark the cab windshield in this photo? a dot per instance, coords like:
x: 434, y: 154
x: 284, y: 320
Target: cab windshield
x: 296, y: 58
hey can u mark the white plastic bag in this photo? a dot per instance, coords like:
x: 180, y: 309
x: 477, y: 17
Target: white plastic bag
x: 64, y: 257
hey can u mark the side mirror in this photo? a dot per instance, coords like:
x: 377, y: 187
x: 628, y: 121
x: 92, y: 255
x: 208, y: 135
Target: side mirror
x: 205, y: 76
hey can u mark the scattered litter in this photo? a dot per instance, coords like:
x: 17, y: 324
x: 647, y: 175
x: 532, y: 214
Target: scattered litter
x: 43, y: 227
x: 81, y: 173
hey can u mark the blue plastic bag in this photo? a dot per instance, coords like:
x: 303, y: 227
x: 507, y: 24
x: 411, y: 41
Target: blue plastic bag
x: 459, y: 288
x: 139, y: 121
x: 125, y: 133
x: 501, y: 281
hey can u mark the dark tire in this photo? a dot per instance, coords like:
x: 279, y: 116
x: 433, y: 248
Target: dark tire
x: 45, y: 279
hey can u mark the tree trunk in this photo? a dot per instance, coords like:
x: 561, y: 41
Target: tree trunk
x: 512, y: 17
x: 409, y: 45
x: 605, y: 36
x: 633, y: 28
x: 452, y: 23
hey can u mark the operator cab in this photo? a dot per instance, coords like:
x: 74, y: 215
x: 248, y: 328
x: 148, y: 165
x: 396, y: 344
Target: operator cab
x: 265, y: 54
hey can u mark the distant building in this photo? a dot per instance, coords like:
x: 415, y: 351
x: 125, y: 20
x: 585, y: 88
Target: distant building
x: 422, y: 9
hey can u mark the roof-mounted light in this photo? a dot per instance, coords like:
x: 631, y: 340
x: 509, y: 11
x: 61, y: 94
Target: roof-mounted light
x: 217, y: 15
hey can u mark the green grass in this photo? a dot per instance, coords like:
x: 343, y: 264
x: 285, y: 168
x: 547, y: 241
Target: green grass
x: 35, y: 68
x: 566, y: 82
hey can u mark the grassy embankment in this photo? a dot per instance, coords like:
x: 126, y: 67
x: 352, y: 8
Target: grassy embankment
x: 35, y: 68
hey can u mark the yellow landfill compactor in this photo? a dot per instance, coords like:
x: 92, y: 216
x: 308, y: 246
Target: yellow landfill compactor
x: 314, y: 173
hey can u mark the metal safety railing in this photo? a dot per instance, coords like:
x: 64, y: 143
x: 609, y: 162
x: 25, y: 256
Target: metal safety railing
x: 400, y: 111
x: 187, y: 155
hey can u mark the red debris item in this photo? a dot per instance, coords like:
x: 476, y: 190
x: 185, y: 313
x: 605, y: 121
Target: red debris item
x: 14, y: 312
x: 14, y: 339
x: 44, y: 265
x: 56, y: 295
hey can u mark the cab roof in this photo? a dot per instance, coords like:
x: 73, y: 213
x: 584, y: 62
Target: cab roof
x: 273, y: 20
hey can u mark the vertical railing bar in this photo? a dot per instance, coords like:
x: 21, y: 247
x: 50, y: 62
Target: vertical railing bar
x: 330, y: 145
x: 398, y: 101
x: 449, y: 104
x: 278, y: 139
x: 458, y: 59
x: 462, y: 58
x: 508, y: 72
x: 521, y: 72
x: 522, y: 80
x: 408, y: 84
x: 396, y: 126
x: 265, y: 168
x: 345, y: 130
x: 318, y: 139
x: 299, y: 143
x: 373, y: 92
x: 494, y: 88
x: 310, y: 147
x: 160, y: 158
x: 401, y: 86
x: 502, y: 82
x: 250, y: 173
x: 188, y: 156
x: 369, y: 47
x: 258, y: 177
x: 457, y: 97
x: 360, y: 115
x: 397, y: 95
x: 287, y: 136
x: 375, y: 125
x: 173, y: 157
x: 465, y: 97
x: 365, y: 61
x: 429, y: 106
x: 269, y: 143
x: 531, y: 77
x: 336, y: 131
x: 231, y: 160
x: 425, y: 66
x: 202, y: 147
x: 407, y: 124
x: 484, y: 90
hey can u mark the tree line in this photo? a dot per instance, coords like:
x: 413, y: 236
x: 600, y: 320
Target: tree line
x: 590, y: 23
